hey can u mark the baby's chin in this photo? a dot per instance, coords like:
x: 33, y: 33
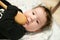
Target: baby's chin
x: 29, y: 29
x: 25, y: 25
x: 32, y: 30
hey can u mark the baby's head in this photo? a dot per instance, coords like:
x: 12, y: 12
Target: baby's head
x: 38, y: 18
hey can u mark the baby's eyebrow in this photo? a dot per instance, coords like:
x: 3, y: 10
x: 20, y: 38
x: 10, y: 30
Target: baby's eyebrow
x: 37, y: 16
x: 34, y: 12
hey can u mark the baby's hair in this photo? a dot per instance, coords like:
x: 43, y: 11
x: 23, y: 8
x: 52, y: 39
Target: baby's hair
x: 49, y: 17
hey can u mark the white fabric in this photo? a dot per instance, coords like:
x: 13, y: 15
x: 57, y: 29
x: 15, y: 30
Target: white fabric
x: 1, y: 11
x: 56, y: 32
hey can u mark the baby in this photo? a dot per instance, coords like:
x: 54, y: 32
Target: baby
x: 39, y: 18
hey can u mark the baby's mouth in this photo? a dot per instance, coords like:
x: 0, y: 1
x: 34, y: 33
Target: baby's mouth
x: 27, y: 21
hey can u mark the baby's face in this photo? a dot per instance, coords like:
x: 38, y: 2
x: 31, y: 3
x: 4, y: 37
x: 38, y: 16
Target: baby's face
x: 36, y: 18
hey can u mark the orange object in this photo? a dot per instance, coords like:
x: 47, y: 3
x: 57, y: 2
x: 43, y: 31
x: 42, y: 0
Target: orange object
x: 20, y: 18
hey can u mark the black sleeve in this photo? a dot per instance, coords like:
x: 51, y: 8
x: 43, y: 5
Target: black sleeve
x: 10, y: 12
x: 8, y: 27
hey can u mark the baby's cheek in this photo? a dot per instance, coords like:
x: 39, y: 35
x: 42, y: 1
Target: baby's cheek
x: 34, y: 26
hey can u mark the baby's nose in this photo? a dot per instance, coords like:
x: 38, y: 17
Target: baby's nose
x: 33, y: 17
x: 30, y: 19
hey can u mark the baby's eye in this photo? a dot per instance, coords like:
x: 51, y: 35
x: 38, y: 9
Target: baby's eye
x: 37, y: 21
x: 33, y: 13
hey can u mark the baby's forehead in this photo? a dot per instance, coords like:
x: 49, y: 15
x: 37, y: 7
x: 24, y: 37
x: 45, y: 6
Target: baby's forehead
x: 40, y: 11
x: 39, y: 8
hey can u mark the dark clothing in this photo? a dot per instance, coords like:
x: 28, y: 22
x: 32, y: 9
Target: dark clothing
x: 9, y: 29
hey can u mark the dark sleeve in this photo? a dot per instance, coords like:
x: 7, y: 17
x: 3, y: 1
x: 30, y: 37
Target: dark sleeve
x: 8, y: 27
